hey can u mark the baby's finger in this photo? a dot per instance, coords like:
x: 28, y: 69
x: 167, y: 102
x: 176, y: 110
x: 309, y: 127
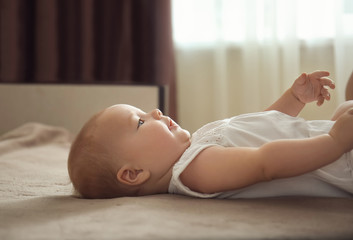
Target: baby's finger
x: 320, y: 100
x: 320, y: 74
x: 325, y: 94
x: 327, y: 82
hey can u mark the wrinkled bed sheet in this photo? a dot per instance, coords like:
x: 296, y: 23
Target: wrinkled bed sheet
x: 36, y: 202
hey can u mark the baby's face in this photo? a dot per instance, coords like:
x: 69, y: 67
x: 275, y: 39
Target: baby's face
x: 148, y: 140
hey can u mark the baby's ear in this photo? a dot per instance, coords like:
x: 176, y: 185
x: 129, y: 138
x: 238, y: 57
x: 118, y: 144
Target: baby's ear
x: 131, y: 176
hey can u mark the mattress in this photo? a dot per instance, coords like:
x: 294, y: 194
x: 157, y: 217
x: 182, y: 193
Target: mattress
x: 37, y: 202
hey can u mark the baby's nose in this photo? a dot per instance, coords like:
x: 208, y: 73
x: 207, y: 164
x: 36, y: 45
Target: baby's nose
x: 157, y: 114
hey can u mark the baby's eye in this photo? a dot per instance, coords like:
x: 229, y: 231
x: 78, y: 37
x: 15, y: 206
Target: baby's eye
x: 140, y: 122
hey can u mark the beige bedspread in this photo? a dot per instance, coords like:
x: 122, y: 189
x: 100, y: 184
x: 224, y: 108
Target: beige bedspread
x: 36, y: 203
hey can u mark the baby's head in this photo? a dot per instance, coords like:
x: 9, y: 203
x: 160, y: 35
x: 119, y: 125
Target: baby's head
x: 123, y: 151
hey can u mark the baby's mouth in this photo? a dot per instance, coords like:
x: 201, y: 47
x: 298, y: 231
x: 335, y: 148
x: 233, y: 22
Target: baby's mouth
x: 171, y: 124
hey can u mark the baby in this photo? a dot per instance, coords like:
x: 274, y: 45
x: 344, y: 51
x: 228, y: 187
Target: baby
x: 123, y: 151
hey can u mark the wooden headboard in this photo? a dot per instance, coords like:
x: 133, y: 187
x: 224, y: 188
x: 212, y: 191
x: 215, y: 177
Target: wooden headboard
x: 69, y: 105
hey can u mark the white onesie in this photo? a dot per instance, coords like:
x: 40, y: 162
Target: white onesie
x: 255, y: 129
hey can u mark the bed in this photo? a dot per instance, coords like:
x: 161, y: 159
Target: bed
x: 38, y: 124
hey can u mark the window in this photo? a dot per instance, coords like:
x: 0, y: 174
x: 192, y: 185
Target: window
x: 236, y: 21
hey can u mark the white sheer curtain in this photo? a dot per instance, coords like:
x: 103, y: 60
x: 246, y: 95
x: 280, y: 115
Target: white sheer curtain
x: 237, y: 56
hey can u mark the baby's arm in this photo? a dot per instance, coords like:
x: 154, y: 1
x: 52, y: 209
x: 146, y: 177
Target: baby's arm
x: 349, y: 88
x: 219, y: 169
x: 306, y: 88
x: 287, y: 104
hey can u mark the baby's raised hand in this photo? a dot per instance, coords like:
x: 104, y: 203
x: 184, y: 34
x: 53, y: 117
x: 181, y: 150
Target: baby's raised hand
x: 342, y: 131
x: 313, y: 87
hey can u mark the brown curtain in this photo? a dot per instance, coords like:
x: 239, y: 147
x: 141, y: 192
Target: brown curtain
x: 118, y: 41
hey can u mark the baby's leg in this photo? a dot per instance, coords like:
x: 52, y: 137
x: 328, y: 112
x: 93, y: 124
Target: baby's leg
x: 341, y: 109
x: 349, y: 88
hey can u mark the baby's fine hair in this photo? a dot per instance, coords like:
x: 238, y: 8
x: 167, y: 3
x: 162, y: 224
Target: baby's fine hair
x: 91, y: 166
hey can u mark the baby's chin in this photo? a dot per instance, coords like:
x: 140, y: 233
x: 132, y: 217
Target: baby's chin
x: 185, y: 137
x: 188, y: 137
x: 187, y: 133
